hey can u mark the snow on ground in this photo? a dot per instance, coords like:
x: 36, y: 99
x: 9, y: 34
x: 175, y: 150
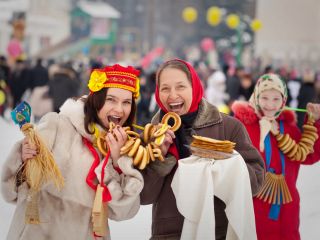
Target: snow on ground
x: 140, y: 226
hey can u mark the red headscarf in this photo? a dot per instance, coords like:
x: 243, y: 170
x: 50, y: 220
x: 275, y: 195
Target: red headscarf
x: 197, y: 94
x: 197, y: 88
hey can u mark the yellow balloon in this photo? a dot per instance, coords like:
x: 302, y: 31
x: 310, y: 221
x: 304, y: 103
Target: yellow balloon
x: 189, y: 14
x: 2, y: 97
x: 224, y: 109
x: 256, y: 25
x: 213, y: 16
x: 233, y: 21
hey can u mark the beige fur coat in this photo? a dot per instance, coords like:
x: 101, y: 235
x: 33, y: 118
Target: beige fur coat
x: 67, y: 214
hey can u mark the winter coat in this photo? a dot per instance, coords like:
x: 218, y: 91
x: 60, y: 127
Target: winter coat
x: 287, y: 226
x: 167, y: 222
x: 306, y: 94
x: 62, y: 86
x: 66, y: 214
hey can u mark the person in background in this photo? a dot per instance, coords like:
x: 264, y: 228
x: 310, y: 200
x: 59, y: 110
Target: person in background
x: 215, y: 92
x: 246, y: 87
x: 72, y: 137
x: 307, y: 93
x: 233, y: 84
x: 63, y: 85
x: 20, y: 80
x: 262, y: 115
x: 179, y: 89
x: 143, y: 116
x: 39, y: 74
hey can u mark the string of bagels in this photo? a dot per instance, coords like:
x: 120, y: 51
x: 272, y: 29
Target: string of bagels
x: 145, y: 147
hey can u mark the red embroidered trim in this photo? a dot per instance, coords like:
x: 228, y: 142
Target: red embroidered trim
x: 91, y: 177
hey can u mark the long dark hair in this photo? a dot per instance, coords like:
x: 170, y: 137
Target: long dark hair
x: 93, y: 104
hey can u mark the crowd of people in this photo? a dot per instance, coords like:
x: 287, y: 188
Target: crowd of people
x: 224, y: 104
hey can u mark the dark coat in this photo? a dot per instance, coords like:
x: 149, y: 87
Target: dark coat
x: 167, y: 222
x: 62, y: 86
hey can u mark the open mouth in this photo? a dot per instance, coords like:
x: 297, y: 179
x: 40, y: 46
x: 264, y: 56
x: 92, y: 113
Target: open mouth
x: 176, y: 106
x: 115, y: 119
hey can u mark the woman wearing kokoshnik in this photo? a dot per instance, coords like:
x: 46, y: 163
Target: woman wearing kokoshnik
x: 73, y: 136
x: 274, y: 131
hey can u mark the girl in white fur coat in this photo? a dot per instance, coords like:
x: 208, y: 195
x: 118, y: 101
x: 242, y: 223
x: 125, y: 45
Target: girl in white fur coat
x: 66, y: 214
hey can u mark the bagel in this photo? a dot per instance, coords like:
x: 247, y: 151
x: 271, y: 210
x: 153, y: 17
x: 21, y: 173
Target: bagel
x: 293, y: 151
x: 139, y: 155
x: 298, y: 154
x: 176, y: 118
x: 307, y: 140
x: 161, y: 131
x: 307, y: 146
x: 311, y: 135
x: 153, y: 145
x: 134, y: 148
x: 146, y: 132
x: 304, y: 154
x: 150, y: 151
x: 279, y: 136
x: 102, y: 145
x: 283, y: 141
x: 314, y: 135
x: 127, y: 146
x: 309, y: 127
x: 289, y: 146
x: 159, y: 140
x: 132, y: 134
x: 112, y: 125
x: 127, y: 128
x: 144, y: 160
x: 148, y: 156
x: 157, y: 153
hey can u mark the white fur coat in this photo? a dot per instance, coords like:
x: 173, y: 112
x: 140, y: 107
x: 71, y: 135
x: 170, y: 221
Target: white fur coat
x: 67, y: 214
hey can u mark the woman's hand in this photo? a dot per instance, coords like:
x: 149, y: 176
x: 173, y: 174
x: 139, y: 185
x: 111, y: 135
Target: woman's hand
x: 313, y: 109
x: 115, y: 142
x: 168, y: 140
x: 28, y: 150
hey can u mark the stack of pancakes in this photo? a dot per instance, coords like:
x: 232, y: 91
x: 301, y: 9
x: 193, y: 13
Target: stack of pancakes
x: 211, y: 148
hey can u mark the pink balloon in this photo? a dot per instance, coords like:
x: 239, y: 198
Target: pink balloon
x: 207, y: 44
x: 14, y: 48
x: 150, y: 56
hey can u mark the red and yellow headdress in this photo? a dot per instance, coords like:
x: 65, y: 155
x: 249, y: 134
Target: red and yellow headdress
x: 115, y: 76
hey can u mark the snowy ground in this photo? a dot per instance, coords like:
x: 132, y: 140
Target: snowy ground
x: 139, y: 226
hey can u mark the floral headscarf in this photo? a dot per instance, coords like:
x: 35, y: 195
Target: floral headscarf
x: 267, y: 82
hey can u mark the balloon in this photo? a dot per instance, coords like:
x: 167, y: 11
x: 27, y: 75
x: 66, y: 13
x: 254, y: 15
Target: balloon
x: 2, y: 97
x: 256, y: 25
x: 14, y: 48
x: 233, y: 21
x: 213, y: 16
x: 224, y: 109
x: 189, y: 14
x: 207, y: 44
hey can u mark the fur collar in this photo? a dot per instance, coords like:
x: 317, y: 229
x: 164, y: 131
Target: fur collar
x: 74, y: 111
x: 208, y: 115
x: 245, y: 113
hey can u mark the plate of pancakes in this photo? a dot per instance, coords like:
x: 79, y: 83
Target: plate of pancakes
x: 212, y: 148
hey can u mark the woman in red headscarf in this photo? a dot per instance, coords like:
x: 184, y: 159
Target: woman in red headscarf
x: 179, y: 90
